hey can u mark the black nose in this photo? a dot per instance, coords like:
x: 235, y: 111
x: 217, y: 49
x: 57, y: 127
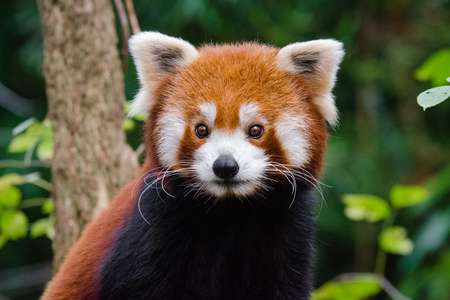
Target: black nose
x: 225, y: 166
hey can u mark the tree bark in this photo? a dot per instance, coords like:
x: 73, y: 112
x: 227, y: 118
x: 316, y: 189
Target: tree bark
x: 85, y: 97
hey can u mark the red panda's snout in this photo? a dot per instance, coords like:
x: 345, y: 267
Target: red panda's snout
x: 236, y: 119
x: 227, y: 163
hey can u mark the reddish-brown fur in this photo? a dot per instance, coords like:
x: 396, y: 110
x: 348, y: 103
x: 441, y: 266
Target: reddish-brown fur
x: 76, y: 278
x: 229, y: 76
x: 235, y: 74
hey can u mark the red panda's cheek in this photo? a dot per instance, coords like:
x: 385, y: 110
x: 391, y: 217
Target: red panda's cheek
x: 189, y: 144
x: 293, y: 136
x: 271, y: 145
x: 168, y: 136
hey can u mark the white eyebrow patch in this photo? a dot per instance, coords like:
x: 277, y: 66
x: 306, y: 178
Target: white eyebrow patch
x: 292, y: 133
x: 248, y: 112
x: 208, y: 110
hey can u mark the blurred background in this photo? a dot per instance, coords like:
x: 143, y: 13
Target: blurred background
x: 395, y: 50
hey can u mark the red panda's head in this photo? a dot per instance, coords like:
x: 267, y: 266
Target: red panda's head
x: 231, y: 117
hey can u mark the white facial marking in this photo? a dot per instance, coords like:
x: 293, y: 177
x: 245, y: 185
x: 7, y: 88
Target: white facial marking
x: 252, y: 163
x: 292, y: 133
x: 170, y: 129
x: 248, y: 113
x: 208, y: 110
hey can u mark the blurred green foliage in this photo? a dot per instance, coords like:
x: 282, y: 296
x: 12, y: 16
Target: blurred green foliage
x: 14, y: 222
x: 392, y: 239
x: 435, y: 68
x: 395, y: 49
x: 404, y: 196
x: 30, y: 136
x: 356, y: 288
x: 361, y: 207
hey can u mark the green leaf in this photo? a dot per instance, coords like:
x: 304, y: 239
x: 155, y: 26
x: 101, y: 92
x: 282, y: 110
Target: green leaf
x: 48, y: 207
x: 364, y: 207
x: 395, y: 240
x: 436, y: 68
x: 11, y: 179
x: 40, y: 228
x: 9, y: 196
x: 36, y: 129
x: 357, y: 288
x: 434, y: 96
x: 140, y: 117
x: 127, y: 106
x: 45, y: 149
x: 51, y: 228
x: 128, y: 124
x: 14, y: 224
x: 22, y: 143
x: 30, y: 137
x: 407, y: 195
x: 23, y: 126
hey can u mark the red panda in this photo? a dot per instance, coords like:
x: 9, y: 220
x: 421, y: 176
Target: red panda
x: 223, y: 208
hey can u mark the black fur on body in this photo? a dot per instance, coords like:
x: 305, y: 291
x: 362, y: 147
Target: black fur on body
x: 232, y: 249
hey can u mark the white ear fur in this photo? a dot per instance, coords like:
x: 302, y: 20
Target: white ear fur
x: 318, y: 60
x: 155, y: 55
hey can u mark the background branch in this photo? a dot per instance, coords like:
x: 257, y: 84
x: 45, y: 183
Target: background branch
x: 124, y: 26
x: 135, y: 28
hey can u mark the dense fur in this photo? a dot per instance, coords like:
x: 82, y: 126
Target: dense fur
x: 180, y: 230
x: 229, y: 77
x: 199, y: 250
x: 77, y: 276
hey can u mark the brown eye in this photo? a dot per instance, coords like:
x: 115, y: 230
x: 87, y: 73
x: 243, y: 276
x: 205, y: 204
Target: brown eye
x: 201, y: 130
x: 255, y: 131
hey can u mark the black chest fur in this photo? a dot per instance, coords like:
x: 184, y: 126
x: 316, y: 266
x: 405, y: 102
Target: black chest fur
x: 254, y: 249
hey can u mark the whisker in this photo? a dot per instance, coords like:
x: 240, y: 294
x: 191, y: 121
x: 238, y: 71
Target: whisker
x: 140, y: 199
x: 289, y: 176
x: 306, y: 176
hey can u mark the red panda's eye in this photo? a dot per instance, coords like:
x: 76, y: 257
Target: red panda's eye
x: 255, y: 131
x: 201, y: 130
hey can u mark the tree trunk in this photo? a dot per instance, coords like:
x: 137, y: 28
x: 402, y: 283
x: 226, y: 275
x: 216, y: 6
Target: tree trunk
x: 85, y: 98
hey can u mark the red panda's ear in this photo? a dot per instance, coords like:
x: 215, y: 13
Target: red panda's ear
x: 156, y: 55
x: 317, y: 61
